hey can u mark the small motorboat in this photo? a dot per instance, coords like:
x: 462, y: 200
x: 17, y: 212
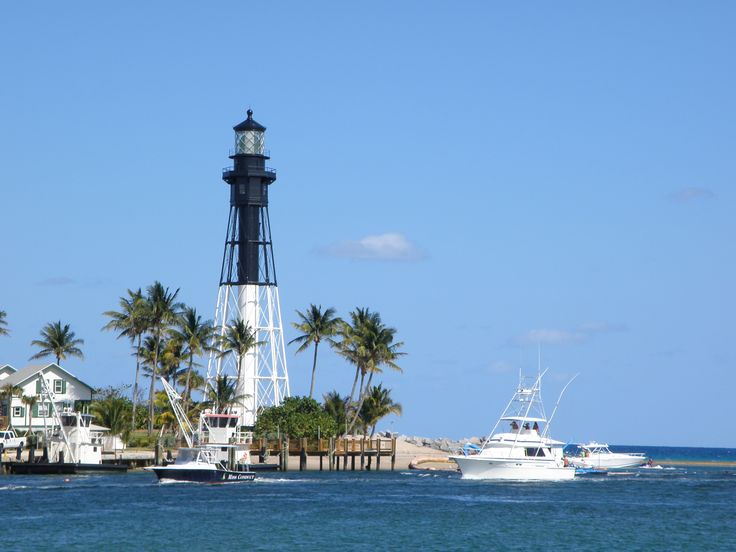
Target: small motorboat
x: 599, y: 455
x: 200, y: 465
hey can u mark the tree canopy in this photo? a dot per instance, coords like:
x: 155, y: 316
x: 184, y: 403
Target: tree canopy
x: 296, y: 417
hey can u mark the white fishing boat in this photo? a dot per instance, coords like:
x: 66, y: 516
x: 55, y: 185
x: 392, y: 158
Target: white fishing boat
x: 519, y: 447
x: 200, y: 465
x: 72, y: 442
x: 599, y: 455
x: 217, y: 452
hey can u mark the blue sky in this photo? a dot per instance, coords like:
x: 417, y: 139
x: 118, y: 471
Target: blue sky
x: 488, y: 176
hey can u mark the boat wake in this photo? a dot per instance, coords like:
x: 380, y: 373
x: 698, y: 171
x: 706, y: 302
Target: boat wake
x: 267, y: 480
x: 13, y: 487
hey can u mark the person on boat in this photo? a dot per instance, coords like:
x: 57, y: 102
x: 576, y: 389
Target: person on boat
x: 514, y: 425
x: 526, y: 426
x: 535, y: 427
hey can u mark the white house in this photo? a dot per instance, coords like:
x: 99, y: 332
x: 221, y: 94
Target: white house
x: 67, y: 388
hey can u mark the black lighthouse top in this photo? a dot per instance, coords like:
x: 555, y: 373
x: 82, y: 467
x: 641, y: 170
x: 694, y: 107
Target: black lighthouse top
x: 249, y: 124
x: 248, y: 258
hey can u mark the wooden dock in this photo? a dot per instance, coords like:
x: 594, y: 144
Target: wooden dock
x: 333, y: 454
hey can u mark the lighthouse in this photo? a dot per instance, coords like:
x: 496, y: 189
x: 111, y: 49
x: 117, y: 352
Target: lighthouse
x: 248, y: 286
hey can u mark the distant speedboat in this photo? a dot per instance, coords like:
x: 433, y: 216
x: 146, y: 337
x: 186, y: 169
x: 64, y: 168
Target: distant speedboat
x: 522, y: 451
x: 598, y: 455
x: 200, y: 465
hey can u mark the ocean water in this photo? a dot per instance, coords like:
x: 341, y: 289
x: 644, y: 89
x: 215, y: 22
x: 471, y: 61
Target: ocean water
x: 672, y: 508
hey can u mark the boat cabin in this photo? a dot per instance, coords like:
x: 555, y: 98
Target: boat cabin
x: 196, y: 455
x: 221, y: 429
x: 77, y: 439
x: 73, y: 419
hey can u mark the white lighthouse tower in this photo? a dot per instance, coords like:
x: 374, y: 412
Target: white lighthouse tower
x: 248, y: 288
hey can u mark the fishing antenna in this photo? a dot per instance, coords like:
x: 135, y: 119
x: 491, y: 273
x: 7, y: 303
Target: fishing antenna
x: 549, y: 422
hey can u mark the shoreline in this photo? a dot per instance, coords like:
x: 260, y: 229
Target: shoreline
x: 409, y: 455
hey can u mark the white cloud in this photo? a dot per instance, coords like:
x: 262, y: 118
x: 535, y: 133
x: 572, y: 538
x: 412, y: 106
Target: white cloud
x: 551, y: 337
x: 594, y: 328
x: 380, y: 247
x: 585, y: 332
x: 692, y: 193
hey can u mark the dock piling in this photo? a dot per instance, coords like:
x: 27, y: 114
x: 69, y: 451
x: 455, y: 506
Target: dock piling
x: 303, y: 454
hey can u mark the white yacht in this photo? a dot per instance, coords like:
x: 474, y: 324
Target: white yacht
x: 519, y: 447
x: 598, y: 455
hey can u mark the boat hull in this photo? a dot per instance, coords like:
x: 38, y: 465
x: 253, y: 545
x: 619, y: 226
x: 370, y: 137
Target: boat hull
x: 61, y: 468
x: 610, y: 462
x: 193, y: 475
x: 512, y: 469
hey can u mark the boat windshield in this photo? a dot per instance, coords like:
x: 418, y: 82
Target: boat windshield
x: 187, y: 455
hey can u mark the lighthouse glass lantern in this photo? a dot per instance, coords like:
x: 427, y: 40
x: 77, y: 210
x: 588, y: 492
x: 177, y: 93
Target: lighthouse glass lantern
x: 249, y: 137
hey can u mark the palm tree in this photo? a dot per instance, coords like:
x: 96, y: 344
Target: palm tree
x: 315, y: 325
x: 3, y: 322
x: 335, y: 405
x: 349, y: 347
x: 378, y: 404
x: 194, y: 381
x: 197, y: 337
x: 132, y: 322
x: 114, y: 412
x: 224, y: 394
x: 170, y: 360
x: 59, y: 341
x: 238, y: 339
x: 30, y: 401
x: 162, y: 311
x: 369, y: 344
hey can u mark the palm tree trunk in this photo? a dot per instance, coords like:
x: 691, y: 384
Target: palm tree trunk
x: 314, y: 369
x: 186, y: 384
x: 135, y: 384
x: 362, y: 399
x: 152, y: 389
x: 350, y: 398
x: 352, y: 391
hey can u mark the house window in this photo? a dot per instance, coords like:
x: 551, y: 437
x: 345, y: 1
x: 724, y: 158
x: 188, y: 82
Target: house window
x: 43, y: 410
x: 58, y: 386
x: 17, y: 411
